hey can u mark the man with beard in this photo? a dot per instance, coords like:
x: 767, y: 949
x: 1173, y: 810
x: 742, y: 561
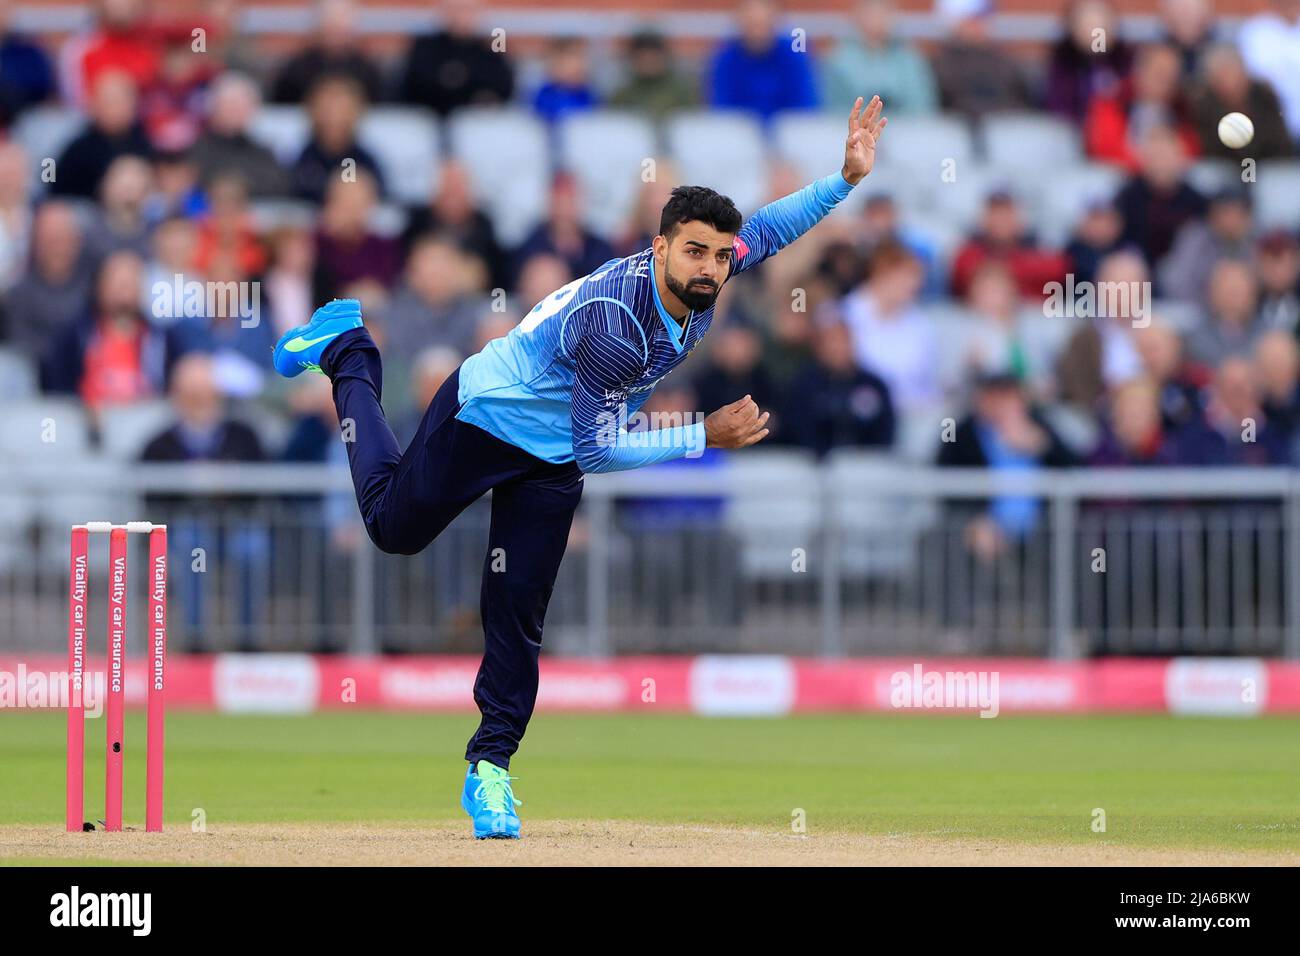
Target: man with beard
x: 535, y: 409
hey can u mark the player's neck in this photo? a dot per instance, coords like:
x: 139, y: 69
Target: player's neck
x: 674, y: 306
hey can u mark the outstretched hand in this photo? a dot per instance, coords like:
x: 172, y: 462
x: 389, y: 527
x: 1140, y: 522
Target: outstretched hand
x: 865, y: 127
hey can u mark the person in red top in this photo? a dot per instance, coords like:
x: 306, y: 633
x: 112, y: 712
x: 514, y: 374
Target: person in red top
x: 119, y: 362
x: 1117, y: 122
x: 1002, y: 236
x: 123, y: 41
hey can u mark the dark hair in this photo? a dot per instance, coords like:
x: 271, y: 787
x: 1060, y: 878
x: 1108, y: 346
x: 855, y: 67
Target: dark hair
x: 698, y: 203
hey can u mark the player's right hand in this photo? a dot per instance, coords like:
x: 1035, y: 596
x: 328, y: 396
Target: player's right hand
x: 737, y: 425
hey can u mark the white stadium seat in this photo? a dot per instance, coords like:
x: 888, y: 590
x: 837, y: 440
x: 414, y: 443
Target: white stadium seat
x: 44, y: 132
x: 1277, y: 195
x: 18, y: 378
x: 813, y: 143
x: 921, y: 144
x: 1071, y: 190
x: 283, y: 130
x: 404, y: 142
x: 1018, y: 141
x: 507, y: 154
x: 126, y: 429
x: 724, y: 151
x: 45, y: 430
x: 606, y: 150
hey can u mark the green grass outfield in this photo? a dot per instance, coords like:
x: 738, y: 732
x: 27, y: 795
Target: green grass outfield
x: 1162, y: 781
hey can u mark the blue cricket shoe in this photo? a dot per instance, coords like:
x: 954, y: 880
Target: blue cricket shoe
x: 300, y: 348
x: 490, y: 802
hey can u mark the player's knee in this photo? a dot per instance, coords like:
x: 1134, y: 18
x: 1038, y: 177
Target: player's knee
x: 390, y: 540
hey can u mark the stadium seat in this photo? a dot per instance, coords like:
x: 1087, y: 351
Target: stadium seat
x: 1029, y: 142
x: 44, y: 132
x: 404, y: 142
x: 283, y: 130
x: 878, y: 534
x: 921, y: 144
x: 961, y: 202
x: 45, y: 430
x: 1277, y: 195
x: 126, y: 429
x: 507, y: 154
x: 605, y: 150
x: 1071, y: 189
x: 722, y: 150
x: 18, y: 380
x: 1208, y: 176
x: 272, y: 214
x: 773, y: 507
x: 813, y: 143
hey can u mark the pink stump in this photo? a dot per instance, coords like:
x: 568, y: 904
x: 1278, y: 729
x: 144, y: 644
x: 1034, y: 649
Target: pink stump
x: 153, y: 800
x: 78, y: 582
x: 115, y: 710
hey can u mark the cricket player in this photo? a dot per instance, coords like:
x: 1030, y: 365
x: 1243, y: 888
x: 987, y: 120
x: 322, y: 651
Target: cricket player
x: 530, y: 415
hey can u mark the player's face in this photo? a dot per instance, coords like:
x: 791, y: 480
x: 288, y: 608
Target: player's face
x: 696, y: 261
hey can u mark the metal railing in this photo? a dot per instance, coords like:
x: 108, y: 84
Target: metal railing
x: 766, y: 553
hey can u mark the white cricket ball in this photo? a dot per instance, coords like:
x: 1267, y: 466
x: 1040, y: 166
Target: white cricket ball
x: 1236, y: 130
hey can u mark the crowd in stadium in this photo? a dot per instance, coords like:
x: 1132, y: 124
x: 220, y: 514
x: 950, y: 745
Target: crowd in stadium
x: 867, y: 332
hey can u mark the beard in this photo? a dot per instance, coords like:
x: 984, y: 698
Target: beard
x: 697, y: 294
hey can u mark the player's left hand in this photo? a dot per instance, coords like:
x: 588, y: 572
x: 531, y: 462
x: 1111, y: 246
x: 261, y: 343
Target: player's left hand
x: 865, y: 127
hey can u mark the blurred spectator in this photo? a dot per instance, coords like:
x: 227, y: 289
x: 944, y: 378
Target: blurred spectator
x: 567, y: 86
x: 832, y: 402
x: 1270, y: 46
x: 1003, y: 433
x: 203, y: 431
x: 788, y: 344
x: 314, y: 427
x: 873, y: 61
x: 1090, y: 59
x: 760, y: 70
x: 123, y: 40
x: 562, y: 233
x: 1228, y: 88
x: 1179, y: 383
x: 333, y: 52
x: 119, y: 221
x: 879, y: 223
x: 176, y: 188
x: 228, y: 240
x: 288, y: 280
x: 26, y: 75
x: 1188, y: 27
x: 1000, y: 336
x: 114, y: 355
x: 221, y: 525
x: 1232, y: 326
x: 733, y: 369
x: 975, y: 75
x: 173, y: 249
x: 541, y: 275
x: 891, y: 336
x: 452, y: 211
x: 430, y: 368
x: 334, y: 106
x: 226, y: 147
x: 15, y: 213
x: 172, y: 107
x: 654, y: 85
x: 1134, y: 432
x: 112, y: 131
x: 1098, y: 233
x: 1224, y: 233
x: 490, y: 326
x: 438, y: 301
x: 1101, y: 354
x: 643, y: 224
x: 1277, y: 368
x: 1158, y: 201
x: 54, y: 293
x: 456, y: 66
x: 1277, y: 263
x: 1118, y: 121
x: 1235, y: 431
x: 235, y: 50
x: 347, y: 250
x: 1003, y: 237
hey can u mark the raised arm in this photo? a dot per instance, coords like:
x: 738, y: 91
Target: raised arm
x: 779, y: 223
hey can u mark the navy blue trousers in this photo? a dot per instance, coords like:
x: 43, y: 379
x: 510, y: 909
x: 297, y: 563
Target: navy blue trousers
x: 408, y: 497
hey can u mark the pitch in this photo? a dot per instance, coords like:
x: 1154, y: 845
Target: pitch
x: 376, y: 788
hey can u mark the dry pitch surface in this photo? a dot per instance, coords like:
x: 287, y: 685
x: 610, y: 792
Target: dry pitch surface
x: 574, y: 843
